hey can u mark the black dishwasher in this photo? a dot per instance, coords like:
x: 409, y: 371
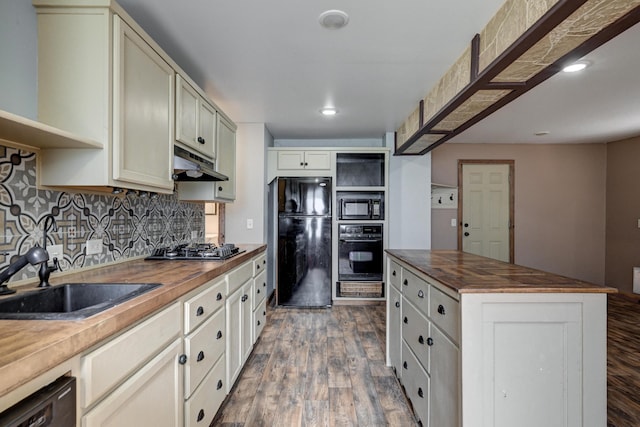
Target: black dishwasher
x: 52, y: 406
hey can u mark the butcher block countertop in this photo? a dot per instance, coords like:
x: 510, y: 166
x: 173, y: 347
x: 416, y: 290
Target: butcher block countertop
x: 468, y: 273
x: 28, y: 348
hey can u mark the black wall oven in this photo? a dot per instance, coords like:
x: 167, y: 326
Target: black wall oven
x: 360, y: 251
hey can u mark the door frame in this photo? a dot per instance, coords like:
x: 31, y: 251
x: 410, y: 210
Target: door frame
x: 511, y: 164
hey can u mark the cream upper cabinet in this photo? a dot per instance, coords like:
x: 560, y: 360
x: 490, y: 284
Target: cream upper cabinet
x: 195, y: 119
x: 226, y: 161
x: 296, y: 160
x: 100, y: 77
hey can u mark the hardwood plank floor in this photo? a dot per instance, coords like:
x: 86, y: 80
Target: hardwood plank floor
x: 326, y: 367
x: 318, y: 367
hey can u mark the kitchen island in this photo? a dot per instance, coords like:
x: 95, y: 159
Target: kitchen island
x: 480, y: 342
x: 32, y: 351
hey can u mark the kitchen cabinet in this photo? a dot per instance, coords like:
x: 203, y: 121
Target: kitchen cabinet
x: 218, y: 191
x: 102, y: 78
x: 195, y: 119
x: 480, y: 358
x: 394, y: 308
x: 137, y: 369
x: 297, y: 160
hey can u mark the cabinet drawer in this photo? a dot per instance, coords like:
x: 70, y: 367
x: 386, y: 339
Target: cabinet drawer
x: 416, y: 384
x: 239, y: 276
x: 203, y: 347
x: 415, y: 290
x: 205, y: 402
x: 259, y: 319
x: 259, y: 264
x: 394, y: 275
x: 113, y: 362
x: 259, y: 289
x: 445, y: 313
x: 205, y: 303
x: 416, y: 333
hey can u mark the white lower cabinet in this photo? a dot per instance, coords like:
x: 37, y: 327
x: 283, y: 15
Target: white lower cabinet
x: 482, y: 359
x: 204, y: 403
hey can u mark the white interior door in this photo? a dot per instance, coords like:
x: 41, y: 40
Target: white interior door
x: 486, y: 210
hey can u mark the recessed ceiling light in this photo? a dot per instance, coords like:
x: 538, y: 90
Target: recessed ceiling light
x: 329, y: 111
x: 333, y: 19
x: 576, y: 66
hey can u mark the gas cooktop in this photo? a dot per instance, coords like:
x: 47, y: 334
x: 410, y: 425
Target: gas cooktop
x: 196, y: 252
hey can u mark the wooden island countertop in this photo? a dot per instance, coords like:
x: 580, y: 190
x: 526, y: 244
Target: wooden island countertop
x: 468, y: 273
x: 28, y: 348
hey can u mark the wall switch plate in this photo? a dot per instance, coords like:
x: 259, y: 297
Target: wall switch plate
x: 194, y: 234
x: 636, y: 280
x: 453, y: 222
x: 249, y: 223
x: 94, y: 246
x: 55, y: 251
x: 638, y: 222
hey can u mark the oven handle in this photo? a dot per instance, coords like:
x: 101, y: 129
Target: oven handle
x: 361, y: 241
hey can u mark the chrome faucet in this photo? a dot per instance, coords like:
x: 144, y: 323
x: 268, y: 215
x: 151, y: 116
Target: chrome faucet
x: 45, y: 268
x: 34, y: 256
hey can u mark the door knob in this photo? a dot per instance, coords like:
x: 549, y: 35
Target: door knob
x: 466, y: 233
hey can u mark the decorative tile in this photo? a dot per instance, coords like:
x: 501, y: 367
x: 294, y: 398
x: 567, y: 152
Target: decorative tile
x: 128, y: 225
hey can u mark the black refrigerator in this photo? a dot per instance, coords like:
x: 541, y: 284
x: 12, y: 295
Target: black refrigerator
x: 304, y: 242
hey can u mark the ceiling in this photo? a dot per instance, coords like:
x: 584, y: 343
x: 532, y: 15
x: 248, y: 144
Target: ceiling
x: 271, y: 62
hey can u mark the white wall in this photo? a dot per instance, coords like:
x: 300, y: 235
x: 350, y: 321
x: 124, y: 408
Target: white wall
x: 18, y: 58
x: 409, y: 200
x: 251, y: 188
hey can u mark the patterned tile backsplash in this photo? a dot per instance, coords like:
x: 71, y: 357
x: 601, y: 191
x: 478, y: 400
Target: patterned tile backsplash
x: 128, y: 225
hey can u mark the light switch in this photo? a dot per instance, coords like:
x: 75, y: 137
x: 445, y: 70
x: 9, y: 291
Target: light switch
x: 249, y: 223
x: 638, y: 222
x: 453, y: 222
x: 636, y: 280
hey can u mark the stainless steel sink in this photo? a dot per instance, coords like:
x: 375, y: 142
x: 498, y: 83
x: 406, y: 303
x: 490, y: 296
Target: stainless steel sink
x: 70, y: 301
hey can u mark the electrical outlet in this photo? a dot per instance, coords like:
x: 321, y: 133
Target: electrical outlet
x: 454, y: 222
x: 55, y: 251
x: 94, y: 246
x: 249, y: 223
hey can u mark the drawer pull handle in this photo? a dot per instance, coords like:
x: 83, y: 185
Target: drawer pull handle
x: 264, y: 313
x: 404, y: 364
x: 429, y: 341
x: 244, y: 297
x: 200, y: 415
x: 405, y: 282
x: 219, y: 335
x: 420, y: 393
x: 200, y: 311
x: 264, y: 261
x: 201, y: 140
x: 219, y: 386
x: 182, y: 359
x: 258, y: 323
x: 398, y: 304
x: 258, y: 266
x: 441, y: 309
x: 200, y: 356
x: 258, y: 291
x: 420, y: 294
x: 264, y: 284
x: 406, y: 320
x: 421, y: 339
x: 219, y: 296
x: 394, y: 273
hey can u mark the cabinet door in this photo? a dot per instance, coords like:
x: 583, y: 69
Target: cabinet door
x: 395, y: 330
x: 290, y: 160
x: 206, y: 139
x: 151, y: 397
x: 143, y: 117
x: 445, y: 380
x: 320, y: 160
x: 247, y: 322
x: 234, y: 337
x: 226, y: 159
x: 187, y: 105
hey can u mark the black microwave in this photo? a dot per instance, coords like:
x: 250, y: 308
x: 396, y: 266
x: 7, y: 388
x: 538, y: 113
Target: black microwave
x: 361, y: 206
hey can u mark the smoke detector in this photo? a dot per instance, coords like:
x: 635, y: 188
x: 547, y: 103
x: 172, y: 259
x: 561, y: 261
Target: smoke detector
x: 333, y: 19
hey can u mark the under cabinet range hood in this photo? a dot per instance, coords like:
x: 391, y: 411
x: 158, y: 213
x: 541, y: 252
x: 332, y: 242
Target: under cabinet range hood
x: 188, y: 166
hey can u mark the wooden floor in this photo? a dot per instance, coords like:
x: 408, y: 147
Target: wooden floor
x: 623, y: 361
x: 318, y: 367
x: 326, y: 367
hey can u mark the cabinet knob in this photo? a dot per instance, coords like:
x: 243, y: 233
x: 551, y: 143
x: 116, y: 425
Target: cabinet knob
x: 420, y: 294
x: 306, y: 164
x: 398, y: 304
x: 429, y: 341
x: 200, y: 311
x: 182, y: 359
x: 219, y: 296
x: 201, y: 140
x: 219, y: 386
x: 405, y: 320
x: 220, y: 188
x: 200, y: 357
x: 404, y: 364
x: 200, y: 415
x: 441, y: 309
x: 301, y: 163
x: 420, y: 392
x: 219, y: 335
x: 405, y: 282
x: 420, y: 339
